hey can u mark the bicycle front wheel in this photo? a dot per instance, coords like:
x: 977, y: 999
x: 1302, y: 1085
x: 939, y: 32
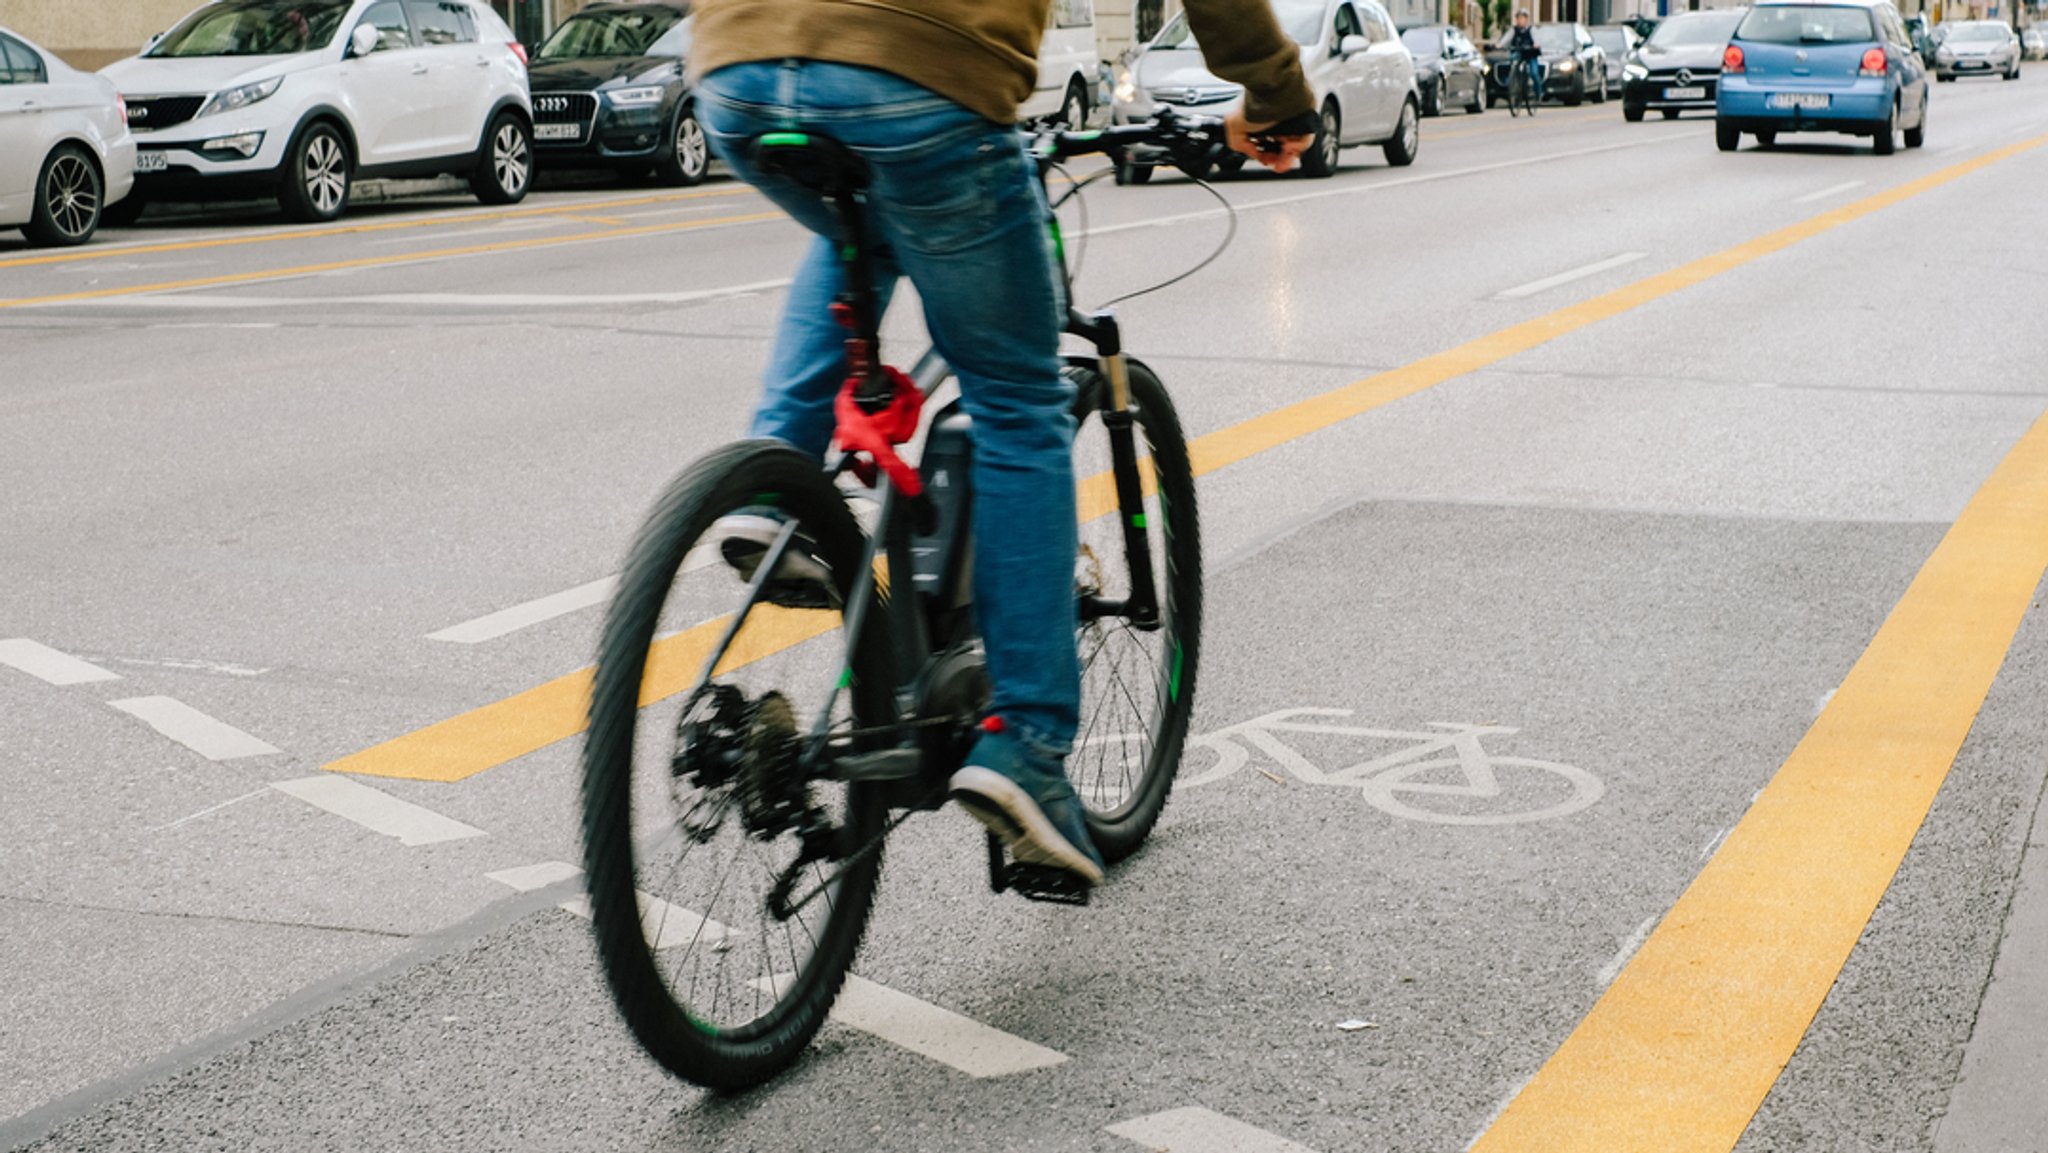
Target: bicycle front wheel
x: 1137, y: 684
x: 729, y: 885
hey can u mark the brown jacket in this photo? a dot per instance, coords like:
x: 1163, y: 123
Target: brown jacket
x: 984, y: 53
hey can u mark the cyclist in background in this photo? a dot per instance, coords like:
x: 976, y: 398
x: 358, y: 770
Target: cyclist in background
x: 1524, y: 51
x: 927, y: 91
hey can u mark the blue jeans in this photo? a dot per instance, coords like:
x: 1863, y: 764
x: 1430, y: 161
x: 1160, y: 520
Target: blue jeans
x: 1534, y: 67
x: 957, y: 207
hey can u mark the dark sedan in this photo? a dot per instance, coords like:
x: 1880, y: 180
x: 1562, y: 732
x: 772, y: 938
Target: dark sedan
x: 1448, y: 69
x: 1678, y: 67
x: 608, y: 92
x: 1574, y: 68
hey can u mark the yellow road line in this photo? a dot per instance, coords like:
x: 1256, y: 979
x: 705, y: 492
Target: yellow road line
x: 375, y: 261
x: 1679, y: 1052
x: 444, y: 756
x: 368, y: 227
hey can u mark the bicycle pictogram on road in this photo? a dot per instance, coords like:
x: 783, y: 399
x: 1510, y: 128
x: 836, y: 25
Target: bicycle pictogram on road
x: 1444, y: 776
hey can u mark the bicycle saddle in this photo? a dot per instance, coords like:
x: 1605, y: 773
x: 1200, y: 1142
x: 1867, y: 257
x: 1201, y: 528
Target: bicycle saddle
x: 814, y: 161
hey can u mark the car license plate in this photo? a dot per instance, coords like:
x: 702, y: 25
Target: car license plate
x: 1685, y: 94
x: 557, y: 131
x: 1965, y: 65
x: 151, y: 161
x: 1799, y: 100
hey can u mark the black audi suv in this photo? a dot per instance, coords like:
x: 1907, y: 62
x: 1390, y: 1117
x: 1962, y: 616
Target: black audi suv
x: 608, y: 92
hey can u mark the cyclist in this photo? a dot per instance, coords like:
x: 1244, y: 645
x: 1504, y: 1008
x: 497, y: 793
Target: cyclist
x: 926, y: 91
x: 1524, y: 51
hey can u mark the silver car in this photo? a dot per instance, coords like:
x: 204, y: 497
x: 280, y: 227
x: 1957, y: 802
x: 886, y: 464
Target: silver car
x: 1363, y: 78
x: 1977, y: 48
x: 2034, y: 44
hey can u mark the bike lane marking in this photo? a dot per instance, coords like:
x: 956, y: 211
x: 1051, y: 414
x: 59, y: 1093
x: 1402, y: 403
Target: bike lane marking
x: 47, y: 664
x: 1198, y: 1130
x: 377, y: 811
x: 1680, y: 1051
x: 213, y: 739
x: 942, y: 1035
x: 496, y: 733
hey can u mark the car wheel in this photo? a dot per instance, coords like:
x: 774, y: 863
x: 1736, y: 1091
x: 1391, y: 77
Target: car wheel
x: 1887, y: 139
x: 1321, y: 158
x: 1944, y: 79
x: 1726, y: 136
x: 1479, y: 102
x: 1578, y: 93
x: 69, y: 199
x: 317, y: 174
x: 1631, y: 111
x: 1600, y: 94
x: 1917, y: 135
x: 1670, y: 113
x: 2014, y: 74
x: 1074, y: 109
x: 1432, y: 98
x: 690, y: 157
x: 504, y: 167
x: 1230, y: 165
x: 1401, y: 148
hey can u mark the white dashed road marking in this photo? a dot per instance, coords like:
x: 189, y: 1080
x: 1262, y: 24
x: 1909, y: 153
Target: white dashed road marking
x: 46, y: 663
x: 1563, y: 278
x: 533, y: 612
x: 668, y: 925
x: 929, y: 1031
x: 212, y: 739
x: 1831, y: 190
x: 1198, y: 1130
x: 376, y: 811
x: 527, y: 878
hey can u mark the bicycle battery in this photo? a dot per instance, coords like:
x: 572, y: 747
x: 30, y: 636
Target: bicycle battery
x: 938, y: 555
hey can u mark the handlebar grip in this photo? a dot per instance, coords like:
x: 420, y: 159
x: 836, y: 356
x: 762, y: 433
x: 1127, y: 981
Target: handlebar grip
x: 1303, y: 124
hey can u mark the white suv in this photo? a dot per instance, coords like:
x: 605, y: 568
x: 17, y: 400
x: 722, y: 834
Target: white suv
x: 297, y: 98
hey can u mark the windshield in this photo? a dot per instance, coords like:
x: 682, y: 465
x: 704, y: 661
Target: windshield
x: 1803, y: 24
x: 1556, y: 39
x: 254, y: 28
x: 1420, y: 40
x: 1977, y: 33
x: 617, y: 32
x: 1301, y: 19
x: 1705, y: 28
x: 1610, y: 39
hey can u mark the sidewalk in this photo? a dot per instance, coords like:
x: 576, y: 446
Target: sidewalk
x: 2000, y: 1102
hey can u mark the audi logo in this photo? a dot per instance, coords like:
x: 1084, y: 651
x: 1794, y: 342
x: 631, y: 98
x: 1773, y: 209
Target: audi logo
x: 135, y: 114
x: 551, y: 104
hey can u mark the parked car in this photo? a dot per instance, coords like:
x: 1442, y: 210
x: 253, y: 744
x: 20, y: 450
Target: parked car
x: 1574, y: 67
x: 298, y: 99
x: 1449, y: 71
x: 1068, y: 66
x: 1843, y: 66
x: 608, y: 92
x: 65, y: 149
x: 2034, y: 44
x: 1617, y: 43
x: 1977, y: 48
x: 1678, y: 67
x: 1363, y: 80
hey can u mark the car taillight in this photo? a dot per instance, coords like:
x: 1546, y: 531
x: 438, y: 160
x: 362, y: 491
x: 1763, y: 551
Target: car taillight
x: 1731, y: 59
x: 1873, y: 62
x: 518, y: 50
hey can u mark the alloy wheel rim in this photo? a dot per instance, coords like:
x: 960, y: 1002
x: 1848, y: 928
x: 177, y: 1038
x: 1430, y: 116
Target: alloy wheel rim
x: 326, y: 175
x: 73, y: 198
x: 1408, y: 128
x: 690, y: 147
x: 1329, y: 137
x: 508, y: 157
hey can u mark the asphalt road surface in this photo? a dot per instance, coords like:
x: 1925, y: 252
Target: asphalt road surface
x: 1576, y: 429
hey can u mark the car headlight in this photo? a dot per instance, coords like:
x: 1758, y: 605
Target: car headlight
x: 242, y: 97
x: 1566, y: 65
x: 634, y: 97
x: 1635, y: 72
x: 1126, y: 88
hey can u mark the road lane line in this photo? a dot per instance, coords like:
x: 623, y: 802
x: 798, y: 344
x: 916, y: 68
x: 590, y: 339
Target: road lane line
x: 944, y: 1036
x: 1563, y: 278
x: 494, y: 625
x: 212, y: 809
x: 241, y: 239
x: 47, y: 664
x: 493, y: 734
x: 527, y: 878
x: 1830, y: 190
x: 212, y: 739
x: 664, y: 924
x: 377, y: 811
x: 222, y: 302
x: 1198, y: 1130
x: 388, y: 261
x: 1684, y: 1045
x: 487, y: 737
x: 485, y: 230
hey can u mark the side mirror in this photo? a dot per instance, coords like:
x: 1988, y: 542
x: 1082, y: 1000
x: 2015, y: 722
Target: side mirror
x: 362, y: 41
x: 152, y: 42
x: 1352, y: 45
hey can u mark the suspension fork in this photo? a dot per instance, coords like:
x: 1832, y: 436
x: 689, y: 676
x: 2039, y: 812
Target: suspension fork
x: 1142, y: 609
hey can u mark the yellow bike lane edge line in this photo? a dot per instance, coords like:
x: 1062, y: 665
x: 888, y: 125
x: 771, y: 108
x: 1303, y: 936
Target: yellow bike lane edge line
x: 505, y: 730
x: 1681, y: 1050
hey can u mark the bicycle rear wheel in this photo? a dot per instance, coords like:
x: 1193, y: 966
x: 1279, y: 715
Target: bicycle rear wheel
x: 1137, y: 685
x: 696, y: 814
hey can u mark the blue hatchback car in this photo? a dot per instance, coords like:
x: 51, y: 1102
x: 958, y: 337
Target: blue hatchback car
x: 1844, y: 66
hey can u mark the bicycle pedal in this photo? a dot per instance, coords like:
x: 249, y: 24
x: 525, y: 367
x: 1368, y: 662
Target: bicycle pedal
x: 1046, y: 883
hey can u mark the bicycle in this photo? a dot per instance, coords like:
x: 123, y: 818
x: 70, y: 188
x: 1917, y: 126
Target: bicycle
x: 1525, y: 86
x: 732, y: 877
